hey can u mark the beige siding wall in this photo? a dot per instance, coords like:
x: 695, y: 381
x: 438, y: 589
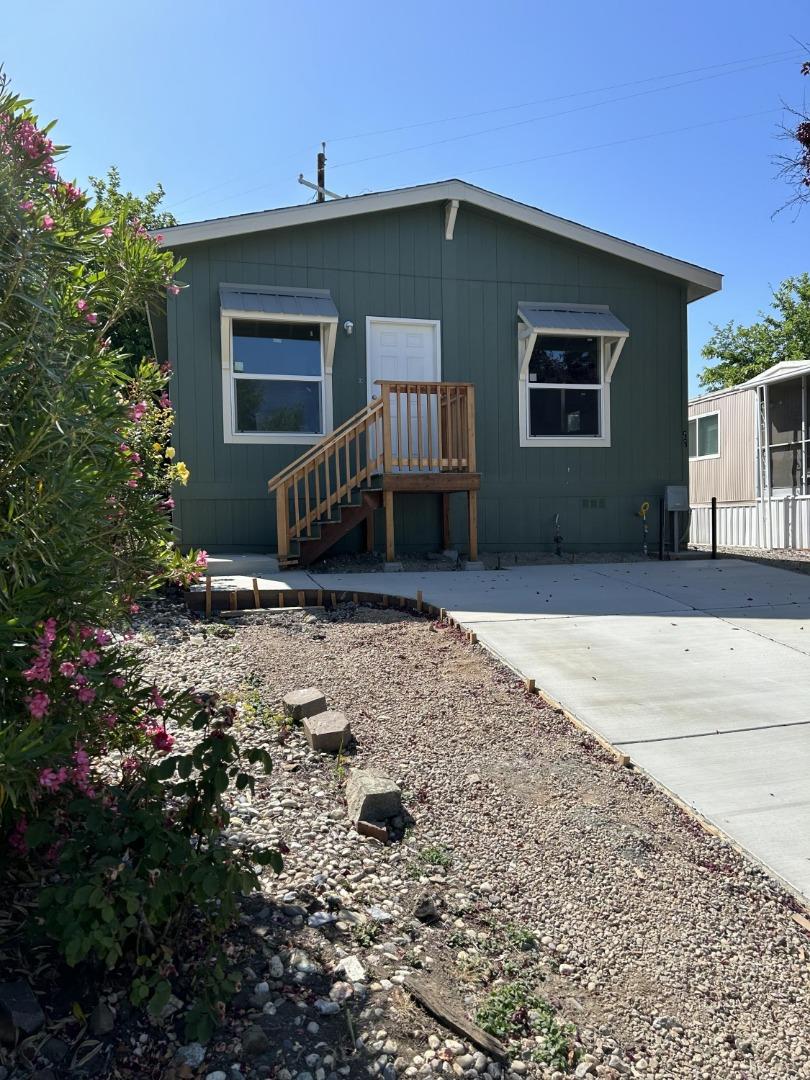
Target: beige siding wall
x: 729, y: 477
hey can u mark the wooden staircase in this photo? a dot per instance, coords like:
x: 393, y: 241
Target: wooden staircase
x: 413, y: 437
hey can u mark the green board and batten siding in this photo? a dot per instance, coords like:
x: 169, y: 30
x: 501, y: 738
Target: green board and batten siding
x: 399, y: 264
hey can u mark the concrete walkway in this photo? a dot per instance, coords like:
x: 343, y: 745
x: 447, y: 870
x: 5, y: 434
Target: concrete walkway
x: 700, y: 671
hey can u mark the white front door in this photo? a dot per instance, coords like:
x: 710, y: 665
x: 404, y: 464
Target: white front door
x: 406, y: 350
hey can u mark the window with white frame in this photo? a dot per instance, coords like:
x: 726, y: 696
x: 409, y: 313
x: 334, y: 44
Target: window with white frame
x: 278, y: 377
x: 567, y: 354
x: 704, y: 436
x: 565, y: 388
x: 277, y: 350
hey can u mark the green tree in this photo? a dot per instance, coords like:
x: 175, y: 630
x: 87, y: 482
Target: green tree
x: 131, y: 333
x: 741, y: 352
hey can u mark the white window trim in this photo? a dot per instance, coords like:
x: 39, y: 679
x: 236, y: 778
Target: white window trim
x: 272, y: 438
x: 698, y: 418
x: 610, y: 347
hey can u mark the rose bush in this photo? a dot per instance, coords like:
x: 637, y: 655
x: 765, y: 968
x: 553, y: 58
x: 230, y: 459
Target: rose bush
x: 126, y: 836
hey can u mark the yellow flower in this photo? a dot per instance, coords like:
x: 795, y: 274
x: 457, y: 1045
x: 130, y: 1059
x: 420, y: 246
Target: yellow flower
x: 156, y: 447
x: 170, y: 452
x: 181, y: 472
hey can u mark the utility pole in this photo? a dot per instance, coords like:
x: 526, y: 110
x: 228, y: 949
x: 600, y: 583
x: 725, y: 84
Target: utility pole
x: 320, y: 189
x: 321, y: 194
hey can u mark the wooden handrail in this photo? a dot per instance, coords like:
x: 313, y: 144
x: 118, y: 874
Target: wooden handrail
x: 317, y: 448
x: 424, y: 427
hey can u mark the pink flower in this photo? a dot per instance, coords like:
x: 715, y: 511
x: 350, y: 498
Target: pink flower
x: 89, y: 657
x: 86, y: 694
x: 38, y: 704
x: 49, y: 631
x: 133, y: 610
x: 73, y: 193
x: 53, y: 780
x: 47, y: 223
x: 164, y: 401
x: 106, y: 231
x: 81, y: 680
x: 174, y: 289
x: 202, y: 559
x: 85, y: 632
x: 80, y: 757
x: 16, y: 839
x: 132, y: 483
x: 137, y: 411
x: 110, y: 719
x: 81, y: 305
x: 40, y: 670
x: 67, y: 669
x: 162, y: 740
x: 129, y: 764
x: 135, y: 456
x: 158, y: 701
x: 102, y: 637
x: 158, y: 239
x: 118, y: 682
x: 168, y: 504
x: 26, y: 205
x: 91, y: 317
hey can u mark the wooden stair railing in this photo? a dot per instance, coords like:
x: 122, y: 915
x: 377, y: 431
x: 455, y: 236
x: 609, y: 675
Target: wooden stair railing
x: 315, y: 483
x: 412, y: 427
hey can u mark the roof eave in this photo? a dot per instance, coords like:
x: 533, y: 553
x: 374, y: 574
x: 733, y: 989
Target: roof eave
x: 700, y: 281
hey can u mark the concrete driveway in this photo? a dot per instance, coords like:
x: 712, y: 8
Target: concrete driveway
x: 700, y: 671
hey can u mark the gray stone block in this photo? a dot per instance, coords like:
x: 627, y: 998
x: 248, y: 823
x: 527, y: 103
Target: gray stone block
x: 392, y: 567
x: 328, y: 731
x: 301, y: 703
x: 472, y: 566
x: 371, y: 797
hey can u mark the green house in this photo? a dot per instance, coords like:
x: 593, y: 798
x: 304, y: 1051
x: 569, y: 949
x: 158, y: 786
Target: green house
x: 429, y: 367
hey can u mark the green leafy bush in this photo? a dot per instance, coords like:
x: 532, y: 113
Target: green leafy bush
x: 125, y: 838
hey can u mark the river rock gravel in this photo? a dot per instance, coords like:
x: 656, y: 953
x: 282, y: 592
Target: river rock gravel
x: 543, y: 863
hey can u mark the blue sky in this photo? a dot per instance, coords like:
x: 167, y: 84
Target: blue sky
x: 226, y: 104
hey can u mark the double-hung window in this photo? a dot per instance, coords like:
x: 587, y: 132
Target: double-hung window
x: 277, y: 349
x: 565, y: 388
x: 567, y: 355
x: 277, y: 377
x: 704, y: 436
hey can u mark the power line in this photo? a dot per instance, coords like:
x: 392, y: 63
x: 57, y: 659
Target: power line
x: 785, y: 55
x: 551, y: 116
x: 767, y: 58
x: 621, y: 142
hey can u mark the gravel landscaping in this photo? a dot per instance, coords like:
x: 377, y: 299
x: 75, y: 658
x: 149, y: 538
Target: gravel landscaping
x: 539, y: 887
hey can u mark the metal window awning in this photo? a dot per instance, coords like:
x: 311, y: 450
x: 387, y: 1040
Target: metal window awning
x: 316, y: 305
x: 591, y: 320
x: 571, y: 318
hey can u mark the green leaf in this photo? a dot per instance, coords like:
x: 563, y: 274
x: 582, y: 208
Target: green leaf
x: 160, y: 997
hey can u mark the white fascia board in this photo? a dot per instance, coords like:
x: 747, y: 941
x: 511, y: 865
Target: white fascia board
x: 701, y: 282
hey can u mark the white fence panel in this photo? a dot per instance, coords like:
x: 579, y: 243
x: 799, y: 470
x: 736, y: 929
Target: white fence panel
x: 746, y: 526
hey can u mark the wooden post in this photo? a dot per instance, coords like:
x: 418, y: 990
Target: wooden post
x: 257, y: 600
x: 390, y: 547
x: 418, y: 599
x: 386, y: 407
x: 470, y: 429
x: 208, y: 595
x: 472, y: 518
x: 282, y: 523
x: 446, y: 521
x: 234, y: 599
x: 530, y: 686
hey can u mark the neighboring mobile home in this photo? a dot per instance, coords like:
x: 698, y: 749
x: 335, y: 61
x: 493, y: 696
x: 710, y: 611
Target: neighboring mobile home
x: 422, y: 349
x: 748, y: 448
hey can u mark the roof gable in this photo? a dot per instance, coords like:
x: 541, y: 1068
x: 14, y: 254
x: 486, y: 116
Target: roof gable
x: 700, y: 281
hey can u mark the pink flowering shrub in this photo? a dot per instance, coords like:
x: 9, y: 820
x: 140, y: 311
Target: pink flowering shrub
x: 125, y: 833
